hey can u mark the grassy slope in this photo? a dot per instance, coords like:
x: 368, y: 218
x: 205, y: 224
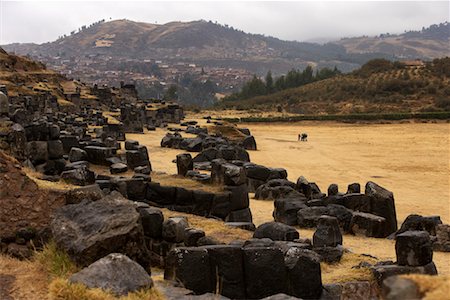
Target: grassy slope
x: 393, y: 91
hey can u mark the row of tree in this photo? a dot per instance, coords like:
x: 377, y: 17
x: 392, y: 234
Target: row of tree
x: 294, y: 78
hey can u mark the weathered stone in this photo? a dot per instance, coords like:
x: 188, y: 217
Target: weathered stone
x: 243, y: 215
x: 77, y: 154
x: 420, y: 223
x: 382, y: 204
x: 265, y: 273
x: 184, y: 163
x: 368, y: 225
x: 413, y: 248
x: 192, y: 235
x: 118, y: 168
x: 228, y: 267
x: 286, y: 209
x: 354, y: 188
x: 89, y: 231
x: 327, y: 233
x: 79, y: 176
x: 442, y: 242
x: 116, y: 273
x: 173, y: 229
x: 333, y: 189
x: 191, y: 268
x: 37, y: 152
x: 381, y: 272
x: 398, y: 288
x: 303, y: 273
x: 276, y: 231
x: 152, y: 220
x: 90, y: 192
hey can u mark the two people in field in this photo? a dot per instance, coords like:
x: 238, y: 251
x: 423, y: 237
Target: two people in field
x: 303, y: 137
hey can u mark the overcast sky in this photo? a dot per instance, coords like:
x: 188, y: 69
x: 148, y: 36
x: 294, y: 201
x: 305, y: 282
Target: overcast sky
x: 42, y: 21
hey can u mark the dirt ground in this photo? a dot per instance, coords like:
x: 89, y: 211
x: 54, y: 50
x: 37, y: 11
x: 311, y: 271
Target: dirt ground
x: 411, y: 160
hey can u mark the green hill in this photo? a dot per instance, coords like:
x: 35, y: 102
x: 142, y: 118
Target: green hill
x: 379, y: 86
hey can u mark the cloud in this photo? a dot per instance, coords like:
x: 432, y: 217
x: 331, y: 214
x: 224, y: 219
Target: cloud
x: 41, y: 21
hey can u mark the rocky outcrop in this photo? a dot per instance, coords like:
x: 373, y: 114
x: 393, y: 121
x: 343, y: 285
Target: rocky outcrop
x: 90, y: 230
x: 116, y: 273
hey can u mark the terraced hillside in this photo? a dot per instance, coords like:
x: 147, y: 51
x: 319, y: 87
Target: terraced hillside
x: 379, y: 86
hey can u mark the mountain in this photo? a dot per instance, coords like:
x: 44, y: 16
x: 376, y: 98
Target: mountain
x: 428, y: 43
x: 379, y: 86
x: 201, y: 42
x: 189, y: 54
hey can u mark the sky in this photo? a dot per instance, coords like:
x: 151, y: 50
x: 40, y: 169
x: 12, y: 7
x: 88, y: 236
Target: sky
x: 44, y: 21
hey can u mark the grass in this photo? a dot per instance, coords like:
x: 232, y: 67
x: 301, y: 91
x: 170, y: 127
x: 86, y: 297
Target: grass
x: 343, y: 271
x: 45, y: 184
x: 58, y: 267
x: 56, y: 262
x: 431, y: 287
x: 212, y: 228
x: 61, y: 289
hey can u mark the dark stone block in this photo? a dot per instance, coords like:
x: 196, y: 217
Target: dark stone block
x: 190, y: 267
x: 265, y: 273
x: 276, y: 231
x: 413, y: 248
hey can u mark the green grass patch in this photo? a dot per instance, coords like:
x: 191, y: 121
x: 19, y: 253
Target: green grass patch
x: 57, y: 263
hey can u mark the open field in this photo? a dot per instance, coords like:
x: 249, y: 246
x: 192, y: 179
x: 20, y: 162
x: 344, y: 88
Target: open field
x: 411, y: 160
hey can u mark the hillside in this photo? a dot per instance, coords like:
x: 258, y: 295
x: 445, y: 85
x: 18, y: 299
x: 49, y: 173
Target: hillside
x: 377, y: 87
x: 202, y: 42
x: 431, y: 42
x: 25, y: 77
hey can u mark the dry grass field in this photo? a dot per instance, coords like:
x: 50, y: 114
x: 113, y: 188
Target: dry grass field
x: 411, y: 160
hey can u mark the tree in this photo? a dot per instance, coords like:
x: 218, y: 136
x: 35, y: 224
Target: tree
x: 269, y: 83
x: 171, y: 93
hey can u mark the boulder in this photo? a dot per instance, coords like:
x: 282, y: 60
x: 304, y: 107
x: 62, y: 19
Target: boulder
x: 79, y: 176
x: 442, y: 242
x: 368, y: 225
x: 309, y: 217
x: 152, y: 220
x: 173, y: 229
x: 257, y: 171
x: 327, y: 233
x: 381, y: 272
x: 55, y: 149
x: 304, y: 277
x: 238, y: 197
x: 192, y: 235
x: 92, y: 230
x: 286, y: 209
x: 184, y: 163
x: 354, y: 188
x: 333, y: 189
x: 413, y: 248
x: 98, y: 154
x: 116, y: 273
x: 265, y: 272
x: 399, y: 288
x: 37, y: 152
x: 242, y: 215
x: 77, y: 154
x: 89, y: 192
x: 227, y: 264
x: 249, y: 143
x: 382, y: 204
x: 190, y: 267
x: 276, y: 231
x: 420, y: 223
x: 118, y: 168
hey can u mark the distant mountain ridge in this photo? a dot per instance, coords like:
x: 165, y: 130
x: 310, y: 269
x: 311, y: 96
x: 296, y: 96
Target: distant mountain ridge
x: 428, y: 43
x: 200, y: 42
